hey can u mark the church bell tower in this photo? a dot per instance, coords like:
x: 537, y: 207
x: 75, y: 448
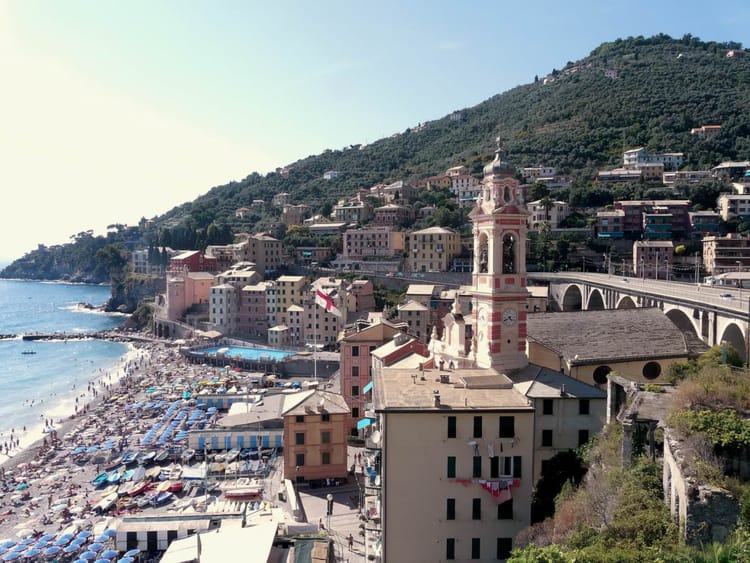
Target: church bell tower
x: 499, y: 271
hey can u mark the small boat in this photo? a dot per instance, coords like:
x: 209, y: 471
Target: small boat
x: 161, y: 456
x: 100, y: 480
x: 175, y: 472
x: 125, y: 488
x: 105, y: 503
x: 140, y: 487
x: 139, y: 474
x: 127, y: 475
x: 153, y: 473
x: 143, y: 502
x: 161, y: 498
x: 145, y: 458
x: 114, y: 463
x: 109, y: 490
x: 187, y: 455
x: 128, y: 458
x: 28, y: 352
x: 232, y: 455
x: 126, y: 502
x: 114, y: 477
x: 163, y: 486
x: 175, y: 486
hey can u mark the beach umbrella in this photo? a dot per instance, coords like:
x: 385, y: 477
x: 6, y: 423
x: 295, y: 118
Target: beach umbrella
x: 88, y: 555
x: 132, y: 552
x: 96, y: 547
x: 72, y: 548
x: 51, y: 551
x: 33, y: 552
x: 63, y: 540
x: 108, y: 554
x: 78, y: 542
x: 7, y: 544
x: 46, y: 537
x: 18, y: 548
x: 12, y: 556
x: 110, y: 532
x: 125, y: 560
x: 27, y: 541
x: 84, y: 534
x: 101, y: 539
x: 22, y: 486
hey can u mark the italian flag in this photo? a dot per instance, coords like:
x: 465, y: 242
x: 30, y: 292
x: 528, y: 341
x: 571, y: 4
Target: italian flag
x: 325, y: 301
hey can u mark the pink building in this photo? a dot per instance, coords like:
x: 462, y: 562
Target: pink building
x: 186, y: 289
x: 253, y: 319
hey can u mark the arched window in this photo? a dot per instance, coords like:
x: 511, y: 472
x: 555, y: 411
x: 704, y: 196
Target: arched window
x: 483, y: 256
x: 506, y: 195
x: 509, y: 254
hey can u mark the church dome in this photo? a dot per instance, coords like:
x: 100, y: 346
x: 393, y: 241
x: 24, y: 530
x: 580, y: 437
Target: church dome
x: 499, y: 166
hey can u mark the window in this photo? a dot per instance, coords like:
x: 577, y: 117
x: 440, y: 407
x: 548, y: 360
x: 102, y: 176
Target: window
x: 451, y: 427
x: 507, y: 427
x: 299, y: 438
x: 355, y: 371
x: 299, y: 460
x: 583, y: 406
x: 450, y: 548
x: 355, y: 390
x: 494, y: 467
x: 451, y: 467
x: 505, y: 510
x: 475, y: 550
x: 477, y: 426
x: 325, y: 437
x: 476, y: 509
x: 355, y: 412
x: 504, y: 547
x: 299, y: 418
x: 355, y: 350
x: 325, y: 417
x: 583, y: 437
x: 325, y: 458
x: 476, y: 466
x: 450, y: 509
x: 517, y: 466
x: 547, y: 406
x: 546, y: 438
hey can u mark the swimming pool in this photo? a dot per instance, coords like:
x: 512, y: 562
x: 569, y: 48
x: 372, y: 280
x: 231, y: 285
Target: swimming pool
x: 247, y: 352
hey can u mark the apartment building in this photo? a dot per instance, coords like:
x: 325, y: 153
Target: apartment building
x: 432, y: 249
x: 372, y: 241
x: 551, y: 213
x: 637, y: 157
x: 730, y: 253
x: 289, y: 290
x: 394, y: 215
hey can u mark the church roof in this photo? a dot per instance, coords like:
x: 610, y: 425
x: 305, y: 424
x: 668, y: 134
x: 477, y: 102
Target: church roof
x: 585, y: 337
x: 538, y: 382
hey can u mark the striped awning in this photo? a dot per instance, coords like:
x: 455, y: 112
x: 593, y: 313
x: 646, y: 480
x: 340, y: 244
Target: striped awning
x: 367, y: 387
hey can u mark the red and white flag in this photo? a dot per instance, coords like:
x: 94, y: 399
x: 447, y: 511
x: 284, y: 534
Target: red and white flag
x: 325, y: 301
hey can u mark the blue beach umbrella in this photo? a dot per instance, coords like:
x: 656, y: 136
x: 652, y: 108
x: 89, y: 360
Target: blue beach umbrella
x: 78, y: 542
x: 27, y: 541
x: 12, y: 556
x: 47, y: 537
x: 111, y: 532
x: 102, y: 561
x: 33, y: 552
x: 108, y: 554
x: 96, y: 547
x: 72, y: 548
x: 88, y: 555
x: 7, y: 544
x: 125, y: 560
x: 51, y: 551
x: 18, y: 548
x: 85, y: 534
x: 101, y: 539
x: 132, y: 552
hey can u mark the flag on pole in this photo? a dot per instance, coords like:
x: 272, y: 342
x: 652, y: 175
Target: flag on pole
x: 325, y: 301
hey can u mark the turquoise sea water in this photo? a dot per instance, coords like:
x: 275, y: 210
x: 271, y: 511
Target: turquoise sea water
x: 45, y: 383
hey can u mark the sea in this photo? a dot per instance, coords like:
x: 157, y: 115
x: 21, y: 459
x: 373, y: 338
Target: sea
x: 41, y: 380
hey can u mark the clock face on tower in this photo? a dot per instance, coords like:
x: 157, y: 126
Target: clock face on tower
x: 509, y: 316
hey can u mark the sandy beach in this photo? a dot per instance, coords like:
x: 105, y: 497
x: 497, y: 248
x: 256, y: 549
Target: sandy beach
x: 44, y: 489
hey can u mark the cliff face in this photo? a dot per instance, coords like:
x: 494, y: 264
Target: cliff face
x: 128, y: 292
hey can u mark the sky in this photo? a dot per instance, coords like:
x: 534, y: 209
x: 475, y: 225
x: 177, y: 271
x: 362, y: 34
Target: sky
x: 113, y: 111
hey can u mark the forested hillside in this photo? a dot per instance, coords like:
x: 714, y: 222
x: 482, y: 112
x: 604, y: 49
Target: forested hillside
x: 576, y: 119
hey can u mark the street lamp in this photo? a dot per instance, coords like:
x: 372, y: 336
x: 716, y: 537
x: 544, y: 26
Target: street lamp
x: 329, y: 511
x: 739, y: 277
x: 666, y: 268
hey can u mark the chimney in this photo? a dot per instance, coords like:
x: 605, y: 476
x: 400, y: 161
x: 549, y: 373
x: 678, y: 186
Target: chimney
x: 436, y: 397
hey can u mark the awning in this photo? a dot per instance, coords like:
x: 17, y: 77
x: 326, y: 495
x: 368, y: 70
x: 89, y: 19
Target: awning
x: 367, y: 387
x: 364, y: 423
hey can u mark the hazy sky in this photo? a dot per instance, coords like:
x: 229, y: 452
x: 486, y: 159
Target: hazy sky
x: 113, y: 111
